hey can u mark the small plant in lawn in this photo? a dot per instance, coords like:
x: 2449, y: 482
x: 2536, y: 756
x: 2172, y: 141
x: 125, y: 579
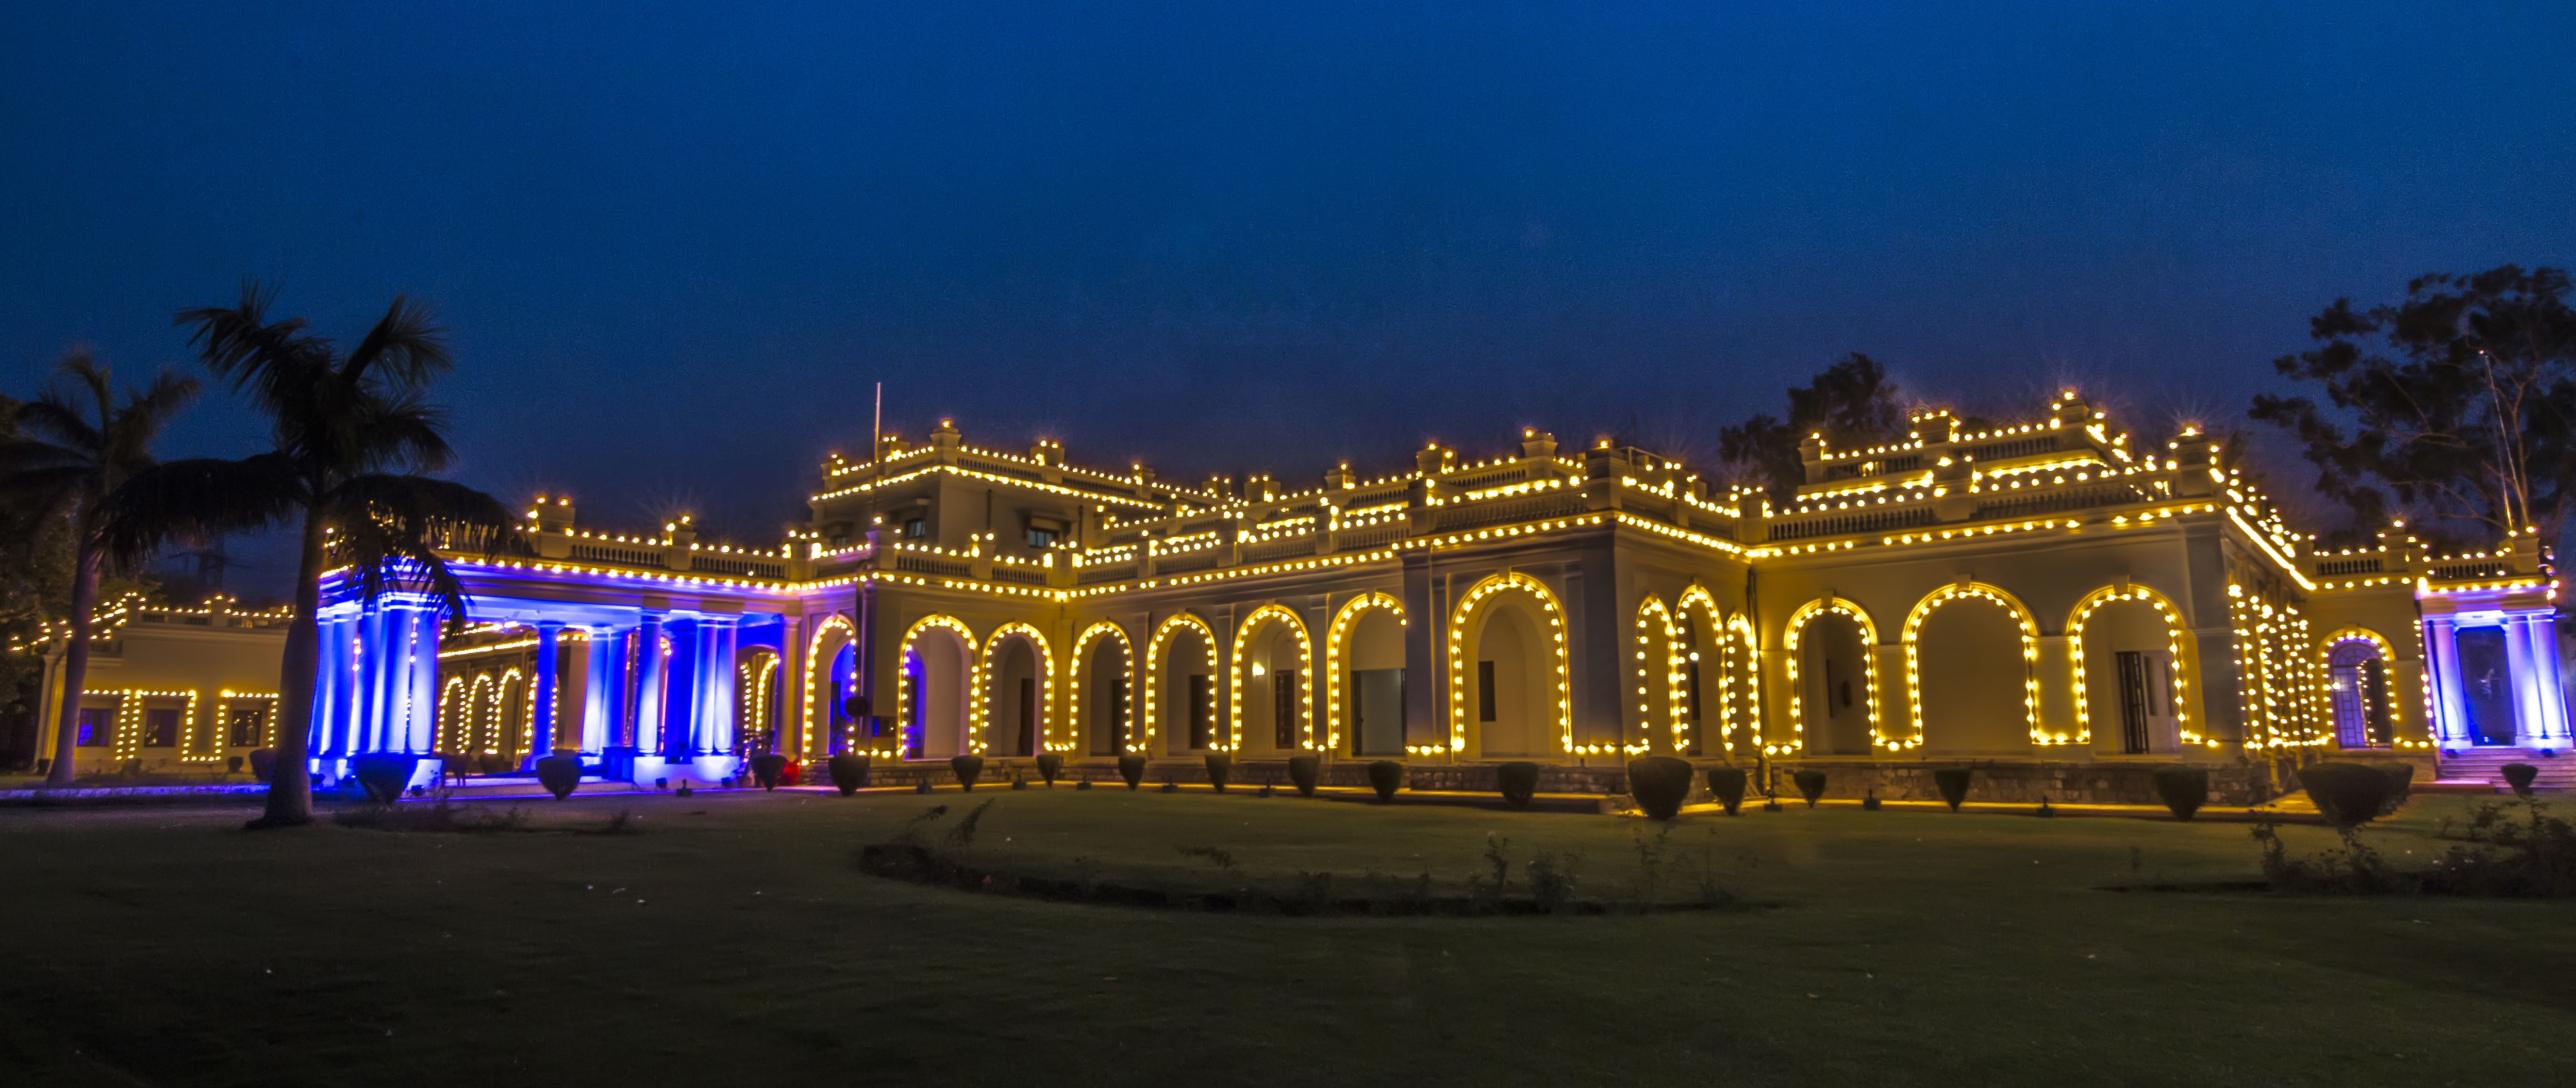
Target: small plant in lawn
x: 1018, y: 782
x: 2183, y: 789
x: 768, y: 769
x: 1132, y: 768
x: 1304, y: 769
x: 2346, y: 794
x: 1486, y: 894
x: 617, y: 822
x: 1050, y: 764
x: 1386, y: 776
x: 1551, y: 880
x: 2401, y: 782
x: 1170, y: 784
x: 1660, y: 784
x: 1222, y: 859
x: 1081, y: 784
x: 1811, y: 785
x: 962, y: 836
x: 2044, y: 810
x: 1953, y: 783
x: 1728, y: 784
x: 967, y: 768
x: 2520, y: 776
x: 1869, y: 800
x: 849, y: 773
x: 560, y: 775
x: 1518, y: 782
x: 1220, y: 766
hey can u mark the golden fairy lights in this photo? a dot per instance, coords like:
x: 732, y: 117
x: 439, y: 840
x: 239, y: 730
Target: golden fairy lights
x: 1337, y: 655
x: 1914, y: 669
x: 1460, y: 677
x: 1156, y: 664
x: 1252, y: 625
x: 2167, y: 617
x: 1796, y: 628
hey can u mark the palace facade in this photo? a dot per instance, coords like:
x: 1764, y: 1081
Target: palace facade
x: 2062, y: 606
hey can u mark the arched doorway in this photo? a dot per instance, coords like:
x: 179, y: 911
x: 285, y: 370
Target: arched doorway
x: 2357, y: 665
x: 1364, y: 660
x: 1704, y: 688
x: 1508, y: 689
x: 1270, y: 684
x: 755, y: 695
x: 1833, y: 682
x: 1014, y: 687
x: 1103, y: 677
x: 938, y: 657
x: 2129, y: 686
x: 1180, y: 709
x: 1657, y: 665
x: 1969, y: 652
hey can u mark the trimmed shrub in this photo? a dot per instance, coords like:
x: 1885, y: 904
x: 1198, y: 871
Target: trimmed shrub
x: 384, y: 774
x: 1869, y: 800
x: 1050, y: 764
x: 1081, y: 784
x: 232, y: 764
x: 2401, y: 780
x: 1953, y: 784
x: 1304, y: 770
x: 1519, y: 783
x: 1132, y: 768
x: 1386, y: 776
x: 560, y: 775
x: 263, y: 762
x: 491, y: 763
x: 2183, y: 789
x: 1220, y: 767
x: 967, y: 769
x: 767, y: 769
x: 1728, y: 784
x: 849, y: 773
x: 2520, y: 776
x: 1659, y: 783
x: 2347, y: 794
x: 1811, y: 785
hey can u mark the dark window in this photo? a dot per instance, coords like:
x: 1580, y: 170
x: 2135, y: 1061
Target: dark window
x: 1202, y: 707
x: 1283, y: 691
x: 1042, y: 538
x: 247, y: 725
x: 96, y: 726
x: 1028, y: 716
x: 1690, y: 687
x: 916, y: 528
x: 1484, y: 691
x: 2133, y: 700
x: 162, y: 728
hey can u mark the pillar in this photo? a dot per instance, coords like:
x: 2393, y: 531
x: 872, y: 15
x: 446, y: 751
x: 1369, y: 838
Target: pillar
x: 542, y: 693
x: 599, y: 686
x: 717, y: 641
x: 2057, y: 692
x: 2451, y: 724
x: 422, y: 721
x: 332, y: 701
x: 648, y: 684
x: 2546, y: 675
x: 680, y: 691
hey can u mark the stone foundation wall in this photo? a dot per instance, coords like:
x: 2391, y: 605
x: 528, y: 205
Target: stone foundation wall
x: 2001, y: 782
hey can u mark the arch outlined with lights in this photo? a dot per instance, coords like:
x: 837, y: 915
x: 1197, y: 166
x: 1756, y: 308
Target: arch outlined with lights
x: 2028, y: 627
x: 1871, y: 695
x: 1243, y: 632
x: 981, y: 712
x: 818, y: 667
x: 1154, y: 665
x: 1076, y: 708
x: 1725, y: 668
x: 1656, y: 630
x: 904, y: 695
x: 1336, y: 652
x: 2177, y: 647
x: 1554, y: 615
x: 2387, y: 653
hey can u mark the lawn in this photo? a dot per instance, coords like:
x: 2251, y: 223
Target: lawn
x: 730, y: 939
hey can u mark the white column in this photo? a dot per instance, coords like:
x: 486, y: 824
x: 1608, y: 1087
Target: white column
x: 2452, y: 722
x: 424, y: 680
x: 648, y: 685
x: 2546, y: 677
x: 600, y: 680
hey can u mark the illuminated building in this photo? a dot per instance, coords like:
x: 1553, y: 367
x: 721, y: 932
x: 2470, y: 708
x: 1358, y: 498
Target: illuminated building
x: 169, y: 690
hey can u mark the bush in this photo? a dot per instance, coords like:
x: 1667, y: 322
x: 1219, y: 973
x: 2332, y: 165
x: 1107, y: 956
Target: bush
x: 1659, y: 783
x: 384, y: 774
x: 967, y: 769
x: 1304, y: 769
x: 767, y: 769
x: 560, y: 775
x: 1386, y: 776
x: 2183, y: 789
x: 1869, y: 800
x: 1050, y: 764
x: 1132, y: 768
x: 1811, y: 785
x: 1519, y: 783
x: 492, y: 763
x: 2347, y: 794
x: 2401, y: 782
x: 1953, y: 784
x: 232, y: 764
x: 2520, y: 776
x: 1728, y: 784
x: 1220, y: 766
x: 263, y: 762
x: 849, y: 773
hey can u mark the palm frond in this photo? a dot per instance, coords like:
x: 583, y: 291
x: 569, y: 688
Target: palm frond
x: 404, y: 431
x: 274, y: 361
x: 143, y: 416
x: 406, y: 344
x: 198, y: 497
x: 389, y: 530
x: 53, y: 414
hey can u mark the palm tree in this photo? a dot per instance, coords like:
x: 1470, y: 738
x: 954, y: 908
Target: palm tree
x: 99, y: 445
x: 347, y: 428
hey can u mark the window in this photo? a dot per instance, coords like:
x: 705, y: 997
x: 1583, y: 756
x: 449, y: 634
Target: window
x: 96, y: 725
x: 247, y: 726
x: 916, y: 528
x: 161, y: 728
x: 1042, y: 538
x: 1202, y: 710
x: 1690, y: 686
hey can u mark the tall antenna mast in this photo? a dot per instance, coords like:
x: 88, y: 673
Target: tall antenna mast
x: 876, y: 430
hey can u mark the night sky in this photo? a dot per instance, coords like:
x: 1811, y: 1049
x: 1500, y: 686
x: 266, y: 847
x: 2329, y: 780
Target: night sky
x: 675, y: 247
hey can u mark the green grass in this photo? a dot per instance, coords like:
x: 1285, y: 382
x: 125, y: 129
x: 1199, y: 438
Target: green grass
x: 730, y: 940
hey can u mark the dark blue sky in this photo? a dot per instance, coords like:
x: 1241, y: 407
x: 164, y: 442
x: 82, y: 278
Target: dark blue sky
x: 675, y: 245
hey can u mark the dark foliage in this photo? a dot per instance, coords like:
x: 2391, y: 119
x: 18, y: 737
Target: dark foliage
x: 2520, y: 776
x: 1518, y: 782
x: 768, y: 769
x: 1869, y: 801
x: 1220, y: 766
x: 1659, y: 783
x: 263, y: 762
x: 560, y: 775
x: 1852, y: 403
x: 968, y: 769
x: 1811, y: 785
x: 1386, y: 776
x: 2401, y: 783
x: 1050, y: 764
x: 1304, y: 770
x: 849, y: 773
x: 1728, y: 784
x: 1953, y: 783
x: 1132, y: 768
x: 2347, y: 794
x: 384, y: 774
x: 2183, y: 789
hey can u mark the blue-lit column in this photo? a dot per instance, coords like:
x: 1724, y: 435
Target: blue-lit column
x: 2452, y: 721
x: 717, y: 641
x: 375, y: 687
x: 599, y: 703
x: 422, y: 721
x: 680, y: 690
x: 648, y: 685
x: 331, y: 685
x: 542, y: 744
x: 2547, y: 676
